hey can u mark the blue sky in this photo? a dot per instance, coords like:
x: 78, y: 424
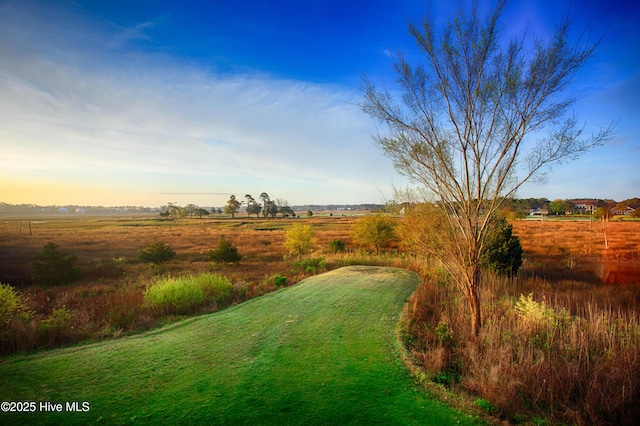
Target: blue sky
x: 148, y: 102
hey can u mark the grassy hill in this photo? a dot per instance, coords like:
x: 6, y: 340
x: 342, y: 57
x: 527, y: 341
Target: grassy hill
x: 321, y: 352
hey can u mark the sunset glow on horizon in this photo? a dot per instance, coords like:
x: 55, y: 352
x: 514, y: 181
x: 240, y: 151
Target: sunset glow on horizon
x: 148, y: 102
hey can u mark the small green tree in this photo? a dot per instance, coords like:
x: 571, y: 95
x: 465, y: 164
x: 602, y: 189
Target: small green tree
x: 300, y: 239
x: 286, y: 211
x: 336, y: 246
x: 375, y: 231
x: 224, y: 252
x: 502, y: 253
x: 560, y: 207
x: 201, y: 212
x: 53, y: 267
x: 157, y: 253
x: 252, y: 206
x: 191, y: 209
x: 232, y: 206
x: 270, y: 209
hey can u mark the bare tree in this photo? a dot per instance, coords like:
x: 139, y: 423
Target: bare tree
x: 468, y: 115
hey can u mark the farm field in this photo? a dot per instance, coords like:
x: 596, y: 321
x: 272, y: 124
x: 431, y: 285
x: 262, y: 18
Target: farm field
x: 322, y: 352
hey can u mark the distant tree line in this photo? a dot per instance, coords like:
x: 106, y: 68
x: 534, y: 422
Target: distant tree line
x: 35, y: 209
x: 268, y: 207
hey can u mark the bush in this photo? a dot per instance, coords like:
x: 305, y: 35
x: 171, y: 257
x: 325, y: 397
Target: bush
x: 503, y: 252
x: 186, y: 295
x: 225, y: 252
x: 484, y: 405
x: 157, y: 252
x: 336, y: 246
x: 53, y: 267
x: 279, y: 281
x: 56, y: 329
x: 311, y: 265
x: 15, y: 321
x: 9, y: 303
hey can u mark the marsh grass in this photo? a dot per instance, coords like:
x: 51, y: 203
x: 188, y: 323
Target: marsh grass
x: 188, y: 294
x: 566, y: 351
x: 108, y: 299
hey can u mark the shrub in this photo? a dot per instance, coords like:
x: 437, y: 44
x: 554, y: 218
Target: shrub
x: 484, y: 405
x: 9, y: 303
x: 56, y: 329
x: 537, y: 313
x: 53, y: 267
x: 157, y: 252
x: 186, y: 295
x: 16, y: 326
x: 279, y: 281
x: 444, y: 335
x: 336, y: 246
x: 311, y: 265
x: 503, y: 252
x: 225, y: 252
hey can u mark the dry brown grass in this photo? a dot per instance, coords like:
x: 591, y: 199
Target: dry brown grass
x: 576, y: 250
x: 581, y: 238
x: 108, y: 299
x: 98, y: 242
x: 582, y: 367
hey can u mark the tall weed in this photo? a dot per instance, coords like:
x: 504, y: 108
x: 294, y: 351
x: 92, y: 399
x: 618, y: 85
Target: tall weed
x: 187, y: 295
x: 57, y: 328
x: 566, y: 355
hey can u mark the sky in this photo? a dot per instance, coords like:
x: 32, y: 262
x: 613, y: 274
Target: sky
x: 125, y: 102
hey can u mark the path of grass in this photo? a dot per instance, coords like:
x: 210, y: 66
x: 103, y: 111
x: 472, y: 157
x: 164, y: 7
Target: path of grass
x: 321, y: 352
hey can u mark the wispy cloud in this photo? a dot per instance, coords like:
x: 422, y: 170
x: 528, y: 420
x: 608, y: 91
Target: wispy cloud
x: 125, y: 35
x: 135, y: 113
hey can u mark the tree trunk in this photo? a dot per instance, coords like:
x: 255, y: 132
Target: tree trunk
x: 476, y: 318
x: 473, y: 298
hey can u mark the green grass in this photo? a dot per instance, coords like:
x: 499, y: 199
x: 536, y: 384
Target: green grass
x: 184, y: 295
x: 321, y: 352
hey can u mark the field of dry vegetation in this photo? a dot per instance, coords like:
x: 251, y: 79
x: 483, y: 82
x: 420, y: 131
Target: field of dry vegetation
x: 561, y: 341
x: 108, y: 298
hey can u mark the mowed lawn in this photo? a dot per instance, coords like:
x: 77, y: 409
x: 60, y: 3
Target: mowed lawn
x: 321, y: 352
